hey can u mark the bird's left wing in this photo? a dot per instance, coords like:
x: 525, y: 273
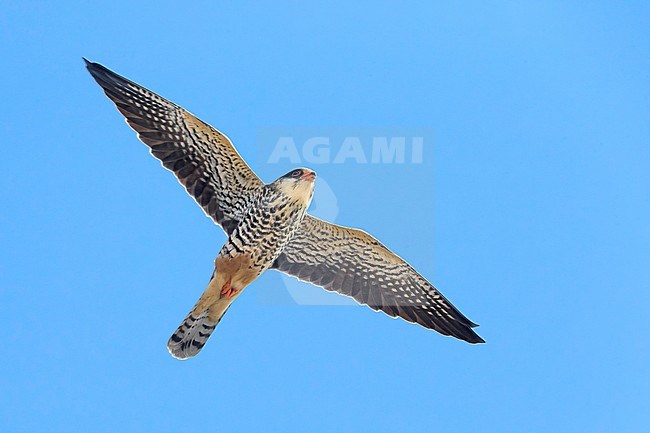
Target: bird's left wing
x: 353, y: 263
x: 203, y: 159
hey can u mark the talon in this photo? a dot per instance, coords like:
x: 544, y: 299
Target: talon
x: 227, y: 290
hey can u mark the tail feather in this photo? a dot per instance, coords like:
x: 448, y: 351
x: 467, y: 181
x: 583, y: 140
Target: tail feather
x: 191, y: 336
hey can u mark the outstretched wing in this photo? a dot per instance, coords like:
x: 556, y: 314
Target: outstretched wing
x: 202, y: 158
x: 353, y: 263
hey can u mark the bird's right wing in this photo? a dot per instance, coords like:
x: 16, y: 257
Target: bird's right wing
x: 353, y: 263
x: 202, y: 158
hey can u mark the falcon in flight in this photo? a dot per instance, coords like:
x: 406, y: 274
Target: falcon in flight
x: 268, y: 226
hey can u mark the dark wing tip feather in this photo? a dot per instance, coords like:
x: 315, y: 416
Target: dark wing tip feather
x: 97, y: 70
x: 479, y: 340
x: 466, y: 333
x: 109, y: 80
x: 117, y: 84
x: 446, y: 322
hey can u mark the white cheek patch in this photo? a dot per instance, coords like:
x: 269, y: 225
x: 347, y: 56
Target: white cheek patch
x: 298, y: 190
x: 287, y: 187
x: 304, y: 192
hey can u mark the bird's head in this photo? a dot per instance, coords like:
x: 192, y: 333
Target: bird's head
x: 298, y: 184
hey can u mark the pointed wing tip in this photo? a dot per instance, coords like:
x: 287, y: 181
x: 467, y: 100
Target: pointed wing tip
x: 93, y: 67
x: 471, y: 337
x: 479, y: 340
x: 468, y: 334
x: 99, y: 71
x: 90, y: 65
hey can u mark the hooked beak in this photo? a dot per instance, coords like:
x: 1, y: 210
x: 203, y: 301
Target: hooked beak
x: 308, y: 175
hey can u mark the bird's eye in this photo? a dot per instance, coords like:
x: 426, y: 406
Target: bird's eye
x: 296, y: 173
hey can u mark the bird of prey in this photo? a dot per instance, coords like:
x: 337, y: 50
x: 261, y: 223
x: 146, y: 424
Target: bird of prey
x: 268, y: 226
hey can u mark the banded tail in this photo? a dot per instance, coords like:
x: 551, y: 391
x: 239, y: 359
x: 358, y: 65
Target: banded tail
x: 191, y: 336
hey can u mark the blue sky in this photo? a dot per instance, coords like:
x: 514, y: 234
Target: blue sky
x: 529, y: 211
